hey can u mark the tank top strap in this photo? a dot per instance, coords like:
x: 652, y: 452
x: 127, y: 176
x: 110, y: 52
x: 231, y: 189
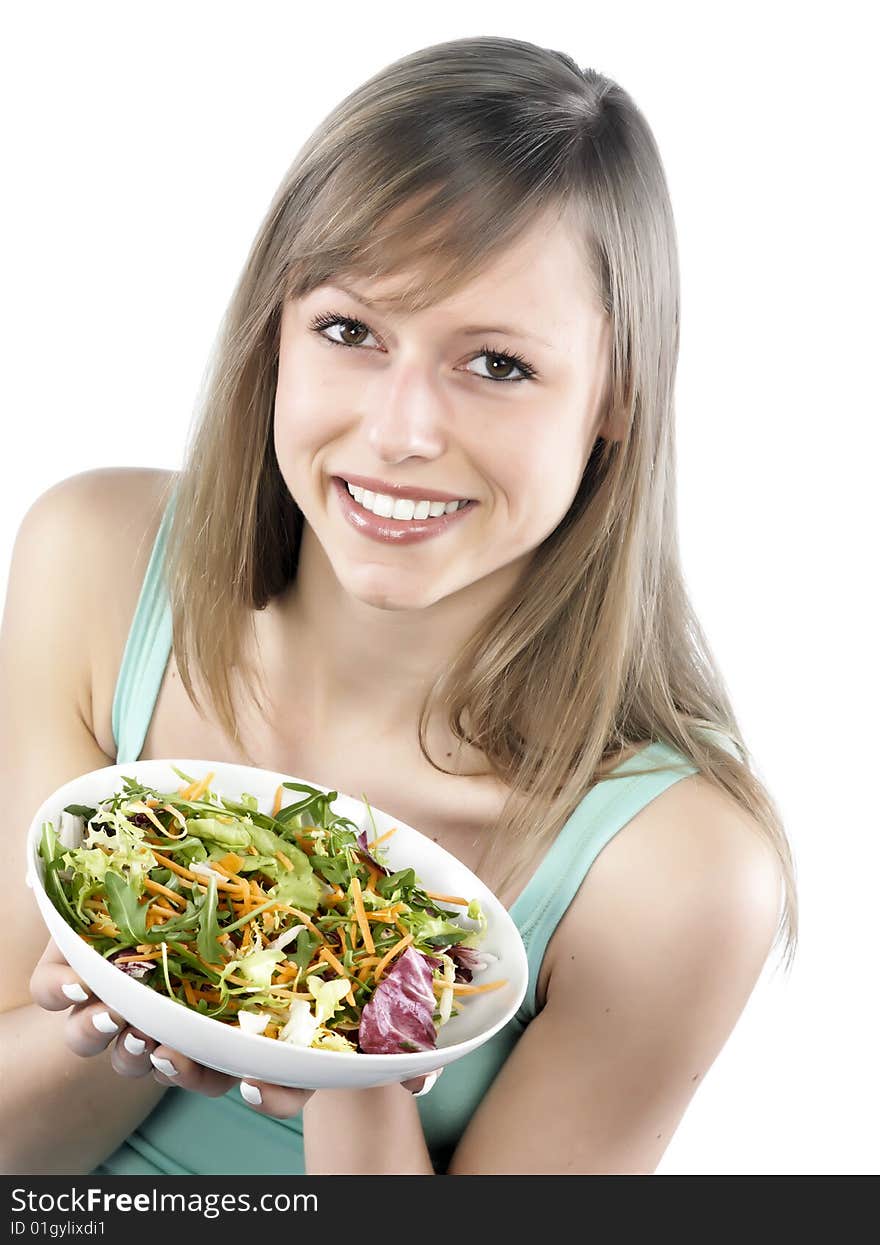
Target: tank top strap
x: 605, y: 809
x: 146, y: 653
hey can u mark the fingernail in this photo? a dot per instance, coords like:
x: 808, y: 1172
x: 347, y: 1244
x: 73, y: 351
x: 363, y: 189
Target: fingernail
x: 105, y: 1023
x: 430, y: 1082
x: 74, y: 992
x: 162, y: 1065
x: 134, y: 1045
x: 250, y: 1093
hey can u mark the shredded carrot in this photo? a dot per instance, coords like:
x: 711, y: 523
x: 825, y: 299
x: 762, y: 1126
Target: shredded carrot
x: 374, y: 877
x: 158, y: 889
x: 330, y: 901
x: 284, y: 860
x: 353, y: 933
x: 189, y: 992
x: 230, y: 864
x: 279, y: 795
x: 362, y: 916
x: 462, y: 988
x: 398, y: 946
x: 283, y: 907
x: 137, y: 959
x: 448, y: 898
x: 327, y: 954
x: 382, y: 838
x: 196, y: 790
x: 226, y: 866
x: 365, y: 967
x: 190, y: 876
x: 106, y: 928
x: 157, y: 914
x: 212, y: 996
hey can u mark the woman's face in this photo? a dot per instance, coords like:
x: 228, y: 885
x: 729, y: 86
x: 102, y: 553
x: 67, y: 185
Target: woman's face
x: 415, y: 400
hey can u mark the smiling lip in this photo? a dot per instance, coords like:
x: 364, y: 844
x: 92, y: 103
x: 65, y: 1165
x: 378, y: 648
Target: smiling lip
x: 396, y: 531
x: 400, y: 490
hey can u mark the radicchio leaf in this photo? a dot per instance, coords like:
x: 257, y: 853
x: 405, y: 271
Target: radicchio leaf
x: 368, y: 857
x: 400, y: 1015
x: 467, y: 959
x: 138, y: 971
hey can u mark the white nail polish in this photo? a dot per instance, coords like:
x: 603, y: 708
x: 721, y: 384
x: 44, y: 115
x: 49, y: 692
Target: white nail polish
x: 105, y: 1023
x: 430, y: 1082
x: 134, y: 1045
x: 74, y: 992
x: 162, y: 1065
x: 250, y: 1093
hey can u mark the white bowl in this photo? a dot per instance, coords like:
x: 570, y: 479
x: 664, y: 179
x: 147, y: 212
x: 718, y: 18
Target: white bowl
x: 227, y: 1047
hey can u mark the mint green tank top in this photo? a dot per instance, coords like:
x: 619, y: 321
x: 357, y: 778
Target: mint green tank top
x: 189, y: 1134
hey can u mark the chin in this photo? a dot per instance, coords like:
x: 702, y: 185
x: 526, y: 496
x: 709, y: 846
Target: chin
x: 385, y: 589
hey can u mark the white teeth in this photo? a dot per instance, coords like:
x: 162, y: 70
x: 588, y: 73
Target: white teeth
x: 388, y: 507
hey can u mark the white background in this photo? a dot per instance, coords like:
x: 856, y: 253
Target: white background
x: 142, y: 145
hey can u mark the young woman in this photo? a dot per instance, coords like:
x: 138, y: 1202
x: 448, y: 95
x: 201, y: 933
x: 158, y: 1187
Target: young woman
x: 464, y: 292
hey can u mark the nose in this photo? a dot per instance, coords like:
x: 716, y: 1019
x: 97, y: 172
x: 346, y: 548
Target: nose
x: 405, y: 416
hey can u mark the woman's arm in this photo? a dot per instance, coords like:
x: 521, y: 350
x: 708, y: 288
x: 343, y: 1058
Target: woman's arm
x: 364, y: 1132
x: 674, y: 926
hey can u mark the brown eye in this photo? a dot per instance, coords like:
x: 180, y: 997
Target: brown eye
x: 353, y: 329
x: 499, y: 366
x: 499, y: 363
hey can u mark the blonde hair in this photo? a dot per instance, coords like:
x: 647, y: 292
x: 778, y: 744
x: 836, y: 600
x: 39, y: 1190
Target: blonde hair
x: 435, y: 165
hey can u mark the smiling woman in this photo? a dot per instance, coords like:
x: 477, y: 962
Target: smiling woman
x: 464, y: 290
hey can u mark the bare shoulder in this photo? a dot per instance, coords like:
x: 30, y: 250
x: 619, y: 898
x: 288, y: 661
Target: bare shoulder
x: 114, y: 515
x: 692, y: 862
x: 105, y: 506
x: 656, y: 960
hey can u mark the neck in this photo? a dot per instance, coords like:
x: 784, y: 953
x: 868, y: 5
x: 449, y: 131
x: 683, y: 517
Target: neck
x: 353, y: 660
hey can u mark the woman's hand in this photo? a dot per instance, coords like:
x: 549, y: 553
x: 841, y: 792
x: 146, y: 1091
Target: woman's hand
x: 92, y: 1026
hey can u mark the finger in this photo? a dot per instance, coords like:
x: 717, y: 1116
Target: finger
x: 170, y: 1067
x: 277, y: 1100
x: 422, y: 1085
x: 131, y: 1053
x: 54, y: 985
x: 91, y: 1027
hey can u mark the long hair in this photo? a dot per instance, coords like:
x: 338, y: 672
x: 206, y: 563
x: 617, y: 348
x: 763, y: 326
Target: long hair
x: 435, y: 165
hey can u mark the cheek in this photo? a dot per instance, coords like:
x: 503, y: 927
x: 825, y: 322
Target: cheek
x: 540, y: 480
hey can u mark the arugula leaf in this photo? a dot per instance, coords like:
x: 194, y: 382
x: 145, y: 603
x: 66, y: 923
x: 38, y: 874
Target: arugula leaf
x: 80, y: 810
x: 127, y: 914
x: 306, y: 944
x: 404, y: 878
x: 51, y: 853
x: 209, y: 930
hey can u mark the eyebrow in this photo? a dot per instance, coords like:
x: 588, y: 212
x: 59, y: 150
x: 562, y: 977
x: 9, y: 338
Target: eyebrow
x: 466, y: 329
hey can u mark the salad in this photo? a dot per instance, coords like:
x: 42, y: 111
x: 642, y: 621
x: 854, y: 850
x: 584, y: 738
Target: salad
x: 288, y: 925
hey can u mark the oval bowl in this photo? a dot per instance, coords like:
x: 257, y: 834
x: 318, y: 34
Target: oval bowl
x: 226, y: 1047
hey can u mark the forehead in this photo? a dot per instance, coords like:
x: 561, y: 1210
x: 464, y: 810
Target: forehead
x: 540, y: 283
